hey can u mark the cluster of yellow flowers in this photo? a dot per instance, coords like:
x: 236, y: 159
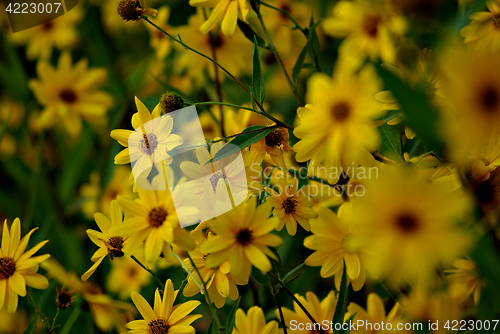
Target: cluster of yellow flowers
x: 388, y: 162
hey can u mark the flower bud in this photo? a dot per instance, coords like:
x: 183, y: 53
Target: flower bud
x: 169, y: 102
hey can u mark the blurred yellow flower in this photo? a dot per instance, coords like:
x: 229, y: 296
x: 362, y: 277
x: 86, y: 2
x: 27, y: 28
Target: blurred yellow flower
x: 409, y: 226
x: 127, y: 276
x: 160, y: 43
x: 464, y: 280
x: 69, y: 94
x: 243, y: 237
x: 484, y: 29
x: 291, y: 205
x: 225, y: 12
x: 254, y: 322
x: 334, y: 240
x: 165, y: 317
x: 336, y: 126
x: 59, y: 33
x: 18, y: 268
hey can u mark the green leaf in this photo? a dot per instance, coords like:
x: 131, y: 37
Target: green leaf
x: 266, y: 183
x: 251, y: 35
x: 71, y: 320
x: 390, y: 145
x: 314, y: 44
x: 341, y: 307
x: 210, y: 329
x: 297, y: 68
x: 276, y: 263
x: 258, y: 89
x: 231, y: 315
x: 421, y: 115
x: 346, y: 331
x: 259, y: 277
x: 242, y: 141
x: 32, y: 326
x: 293, y: 274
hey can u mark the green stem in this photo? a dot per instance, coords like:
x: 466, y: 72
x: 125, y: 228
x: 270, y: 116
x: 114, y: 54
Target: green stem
x: 299, y: 303
x: 278, y: 58
x: 220, y: 103
x: 44, y: 318
x: 278, y: 304
x: 149, y: 271
x: 55, y: 318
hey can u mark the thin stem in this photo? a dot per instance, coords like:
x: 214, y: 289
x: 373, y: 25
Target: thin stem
x: 55, y: 318
x: 278, y: 304
x: 44, y: 318
x: 220, y: 103
x: 149, y: 271
x: 299, y: 303
x: 217, y: 84
x: 278, y: 58
x: 202, y: 289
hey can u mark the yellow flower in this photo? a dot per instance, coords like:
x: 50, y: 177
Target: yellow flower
x: 298, y: 322
x: 370, y: 28
x: 233, y: 53
x: 336, y: 127
x: 334, y: 240
x: 165, y: 317
x: 59, y: 33
x: 106, y: 312
x: 291, y: 205
x: 274, y: 144
x: 464, y: 280
x: 127, y: 276
x: 243, y: 237
x: 408, y: 225
x: 219, y: 281
x: 68, y: 94
x: 18, y: 268
x: 109, y: 242
x: 15, y: 323
x: 253, y: 322
x: 160, y: 42
x: 484, y: 30
x: 150, y: 143
x: 225, y: 12
x: 154, y: 220
x: 374, y: 314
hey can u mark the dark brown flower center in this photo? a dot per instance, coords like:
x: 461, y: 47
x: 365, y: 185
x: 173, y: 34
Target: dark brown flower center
x: 289, y: 205
x: 7, y: 267
x: 340, y: 111
x: 275, y: 138
x: 244, y: 237
x: 47, y: 26
x: 485, y: 193
x: 116, y: 242
x: 496, y: 21
x: 158, y: 326
x: 489, y: 99
x: 370, y: 25
x: 407, y: 223
x: 149, y: 143
x: 214, y: 179
x: 68, y: 96
x: 63, y: 300
x: 157, y: 216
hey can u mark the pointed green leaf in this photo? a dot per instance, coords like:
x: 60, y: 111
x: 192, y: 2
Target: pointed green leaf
x: 346, y: 331
x: 251, y: 35
x: 390, y: 144
x: 259, y: 277
x: 293, y: 274
x: 231, y: 316
x: 210, y: 329
x: 340, y: 309
x: 297, y: 68
x: 258, y: 88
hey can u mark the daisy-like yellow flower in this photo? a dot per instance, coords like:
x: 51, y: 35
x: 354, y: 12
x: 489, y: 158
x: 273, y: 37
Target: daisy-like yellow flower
x: 336, y: 127
x: 243, y: 237
x: 161, y: 43
x: 253, y: 322
x: 464, y: 280
x: 108, y: 241
x: 165, y: 317
x: 274, y: 144
x: 154, y: 220
x: 106, y: 312
x: 59, y: 33
x: 408, y: 226
x: 68, y: 94
x: 298, y: 322
x: 374, y: 313
x: 18, y: 267
x: 127, y: 276
x: 370, y: 28
x: 150, y: 143
x: 220, y: 283
x: 224, y: 12
x: 291, y: 205
x: 484, y: 29
x: 334, y: 240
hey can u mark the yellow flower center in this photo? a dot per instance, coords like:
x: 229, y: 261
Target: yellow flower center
x: 214, y: 179
x: 244, y: 237
x: 341, y: 111
x: 149, y: 143
x: 346, y: 244
x: 407, y: 223
x: 157, y: 216
x: 370, y: 25
x: 7, y: 267
x: 289, y: 205
x: 158, y: 326
x: 275, y: 138
x: 68, y: 96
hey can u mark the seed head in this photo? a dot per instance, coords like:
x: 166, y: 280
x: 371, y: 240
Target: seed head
x: 169, y: 102
x: 127, y: 9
